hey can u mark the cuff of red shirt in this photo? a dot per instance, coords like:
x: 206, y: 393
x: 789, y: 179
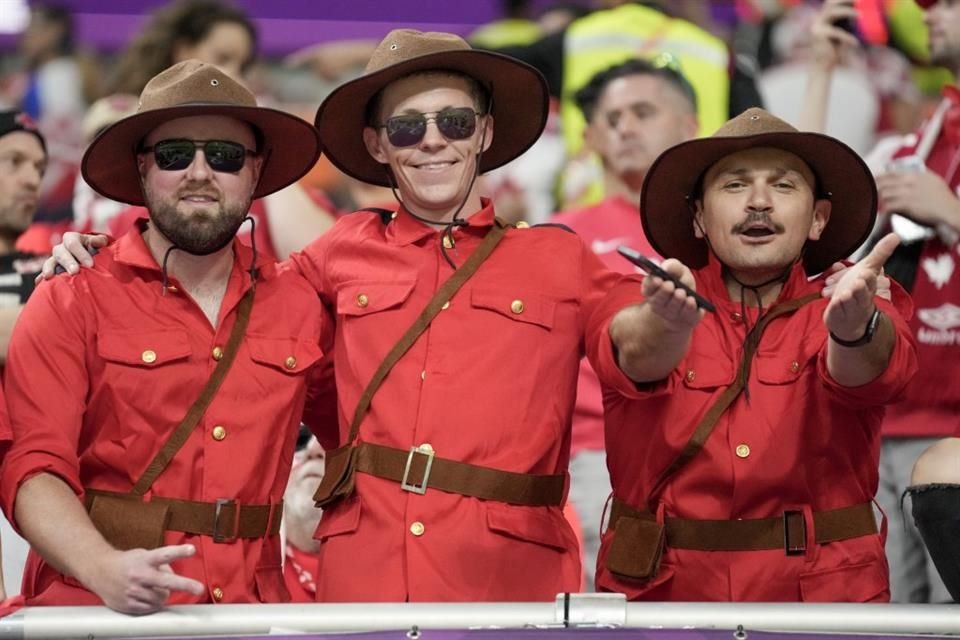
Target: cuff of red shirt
x: 600, y: 349
x: 18, y: 469
x: 888, y: 386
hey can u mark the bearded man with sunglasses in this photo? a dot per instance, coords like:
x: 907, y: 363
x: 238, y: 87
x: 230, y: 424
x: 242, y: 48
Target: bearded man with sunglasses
x: 155, y: 398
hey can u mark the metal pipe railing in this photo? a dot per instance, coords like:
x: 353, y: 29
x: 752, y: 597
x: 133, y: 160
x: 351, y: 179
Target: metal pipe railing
x: 579, y: 609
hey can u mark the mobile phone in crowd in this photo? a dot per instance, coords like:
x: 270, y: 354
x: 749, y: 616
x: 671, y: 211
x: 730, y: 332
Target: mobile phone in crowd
x: 650, y: 267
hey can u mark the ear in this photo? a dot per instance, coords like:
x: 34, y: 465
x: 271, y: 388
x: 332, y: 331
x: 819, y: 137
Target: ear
x: 142, y: 165
x: 257, y: 168
x: 697, y: 207
x: 488, y: 132
x: 821, y: 216
x: 691, y: 125
x: 371, y: 140
x: 590, y: 137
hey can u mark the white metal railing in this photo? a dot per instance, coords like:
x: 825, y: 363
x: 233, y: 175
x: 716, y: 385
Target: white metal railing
x: 579, y: 609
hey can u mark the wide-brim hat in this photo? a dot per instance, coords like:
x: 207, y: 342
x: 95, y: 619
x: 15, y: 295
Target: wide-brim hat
x: 672, y: 182
x: 290, y: 146
x: 520, y: 99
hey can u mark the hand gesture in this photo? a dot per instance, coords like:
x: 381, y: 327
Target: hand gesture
x: 140, y: 581
x: 922, y: 196
x: 672, y: 305
x: 852, y: 301
x: 830, y: 43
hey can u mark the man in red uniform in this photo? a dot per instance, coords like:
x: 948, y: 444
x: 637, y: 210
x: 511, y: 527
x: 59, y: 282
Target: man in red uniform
x: 161, y: 317
x: 634, y: 111
x: 918, y: 179
x: 460, y: 462
x: 747, y: 439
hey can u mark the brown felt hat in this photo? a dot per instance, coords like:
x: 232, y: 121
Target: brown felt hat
x: 518, y: 91
x: 193, y: 88
x: 841, y: 175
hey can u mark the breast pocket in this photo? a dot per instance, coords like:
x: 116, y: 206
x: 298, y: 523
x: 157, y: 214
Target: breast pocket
x: 282, y: 362
x: 134, y: 361
x: 362, y: 299
x: 517, y: 306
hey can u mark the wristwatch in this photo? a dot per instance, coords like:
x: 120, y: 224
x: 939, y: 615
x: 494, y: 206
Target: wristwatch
x: 867, y: 334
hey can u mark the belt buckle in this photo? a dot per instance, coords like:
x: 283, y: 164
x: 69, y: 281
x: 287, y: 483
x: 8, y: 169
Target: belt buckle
x: 789, y: 548
x: 220, y: 537
x: 405, y: 484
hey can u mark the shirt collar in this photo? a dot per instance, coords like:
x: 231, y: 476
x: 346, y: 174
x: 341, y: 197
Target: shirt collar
x: 715, y: 288
x: 405, y: 229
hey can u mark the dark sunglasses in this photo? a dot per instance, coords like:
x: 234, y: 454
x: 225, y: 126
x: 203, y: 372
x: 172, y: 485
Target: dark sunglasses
x: 221, y: 155
x: 408, y: 129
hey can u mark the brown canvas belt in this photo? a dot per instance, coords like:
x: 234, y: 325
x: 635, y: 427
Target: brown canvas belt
x: 787, y: 532
x: 418, y: 469
x: 223, y: 520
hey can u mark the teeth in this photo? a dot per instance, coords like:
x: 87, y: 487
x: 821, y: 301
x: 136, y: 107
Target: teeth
x: 435, y: 165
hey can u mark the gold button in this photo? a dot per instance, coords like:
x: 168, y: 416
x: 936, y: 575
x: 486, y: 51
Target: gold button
x: 290, y: 362
x: 217, y: 353
x: 219, y: 433
x: 736, y: 317
x: 217, y: 593
x: 149, y: 356
x: 447, y: 242
x: 417, y: 528
x: 172, y: 289
x: 423, y: 374
x: 691, y: 375
x: 523, y: 224
x: 362, y: 300
x: 446, y: 305
x: 426, y: 447
x: 794, y: 366
x: 393, y: 215
x: 516, y: 306
x: 742, y: 451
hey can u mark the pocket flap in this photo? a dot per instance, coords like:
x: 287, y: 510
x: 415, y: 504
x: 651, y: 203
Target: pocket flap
x: 364, y: 298
x: 144, y: 349
x: 533, y: 524
x: 340, y: 519
x: 289, y: 355
x: 522, y: 306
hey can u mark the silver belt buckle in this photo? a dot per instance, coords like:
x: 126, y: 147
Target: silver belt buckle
x: 405, y: 484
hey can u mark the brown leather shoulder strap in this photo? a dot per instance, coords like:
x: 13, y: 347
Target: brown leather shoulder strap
x: 712, y: 416
x: 183, y: 430
x: 443, y: 295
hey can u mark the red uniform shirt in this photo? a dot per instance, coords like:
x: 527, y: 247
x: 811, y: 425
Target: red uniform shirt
x: 603, y: 227
x: 489, y: 382
x: 799, y: 442
x: 89, y: 406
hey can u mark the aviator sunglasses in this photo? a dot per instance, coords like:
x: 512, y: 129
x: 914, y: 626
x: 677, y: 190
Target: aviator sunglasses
x: 221, y: 155
x: 408, y: 129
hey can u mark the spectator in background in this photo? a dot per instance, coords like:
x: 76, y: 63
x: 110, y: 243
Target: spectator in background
x: 634, y: 111
x: 300, y: 519
x: 217, y: 33
x: 918, y: 184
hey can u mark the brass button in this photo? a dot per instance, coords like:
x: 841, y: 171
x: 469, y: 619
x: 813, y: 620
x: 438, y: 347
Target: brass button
x: 794, y: 366
x: 446, y: 305
x: 219, y: 433
x: 290, y: 362
x: 736, y: 317
x: 417, y: 528
x: 362, y: 300
x: 393, y: 215
x: 523, y: 224
x: 149, y: 356
x: 516, y: 306
x: 172, y: 289
x: 217, y: 593
x: 423, y: 374
x: 217, y: 354
x: 691, y: 375
x: 447, y: 242
x: 426, y: 447
x: 743, y: 451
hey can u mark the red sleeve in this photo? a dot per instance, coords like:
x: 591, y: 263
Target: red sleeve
x: 46, y: 386
x: 6, y: 435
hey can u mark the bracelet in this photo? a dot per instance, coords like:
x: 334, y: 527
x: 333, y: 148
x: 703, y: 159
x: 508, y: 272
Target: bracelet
x: 867, y: 333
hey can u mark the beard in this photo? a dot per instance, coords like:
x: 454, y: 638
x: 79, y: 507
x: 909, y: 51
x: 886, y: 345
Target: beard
x: 202, y: 233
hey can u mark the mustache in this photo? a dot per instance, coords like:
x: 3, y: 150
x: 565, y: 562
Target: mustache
x: 755, y: 217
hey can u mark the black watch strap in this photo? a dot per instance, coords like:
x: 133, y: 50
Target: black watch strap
x: 867, y: 333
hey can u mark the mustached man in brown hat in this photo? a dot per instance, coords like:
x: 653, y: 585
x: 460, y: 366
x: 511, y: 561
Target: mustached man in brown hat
x: 743, y: 441
x: 155, y: 398
x: 447, y: 477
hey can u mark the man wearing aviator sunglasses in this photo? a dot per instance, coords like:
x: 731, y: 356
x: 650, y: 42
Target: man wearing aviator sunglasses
x: 174, y: 494
x: 408, y: 129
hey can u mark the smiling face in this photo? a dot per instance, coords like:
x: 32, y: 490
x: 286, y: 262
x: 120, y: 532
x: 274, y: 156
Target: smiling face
x: 758, y: 210
x: 199, y: 209
x: 435, y: 175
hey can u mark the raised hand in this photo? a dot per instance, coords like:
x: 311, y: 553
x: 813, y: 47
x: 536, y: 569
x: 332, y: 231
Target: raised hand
x: 852, y: 299
x: 670, y: 303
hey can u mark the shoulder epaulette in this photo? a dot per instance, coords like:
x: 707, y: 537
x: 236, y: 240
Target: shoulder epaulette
x: 554, y: 224
x: 385, y: 214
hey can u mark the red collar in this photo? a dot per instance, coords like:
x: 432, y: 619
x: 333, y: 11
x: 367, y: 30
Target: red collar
x: 405, y: 229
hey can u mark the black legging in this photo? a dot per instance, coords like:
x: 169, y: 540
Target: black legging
x: 936, y: 511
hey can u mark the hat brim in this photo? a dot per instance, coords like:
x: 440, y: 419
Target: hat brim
x: 667, y: 215
x: 520, y: 109
x: 290, y: 148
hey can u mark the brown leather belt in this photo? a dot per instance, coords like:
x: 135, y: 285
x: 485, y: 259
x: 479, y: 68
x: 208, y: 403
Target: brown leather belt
x: 787, y: 532
x: 223, y: 520
x: 419, y: 469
